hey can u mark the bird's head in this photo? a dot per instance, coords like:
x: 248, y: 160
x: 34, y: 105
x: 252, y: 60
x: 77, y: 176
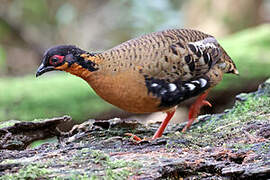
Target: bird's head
x: 63, y: 57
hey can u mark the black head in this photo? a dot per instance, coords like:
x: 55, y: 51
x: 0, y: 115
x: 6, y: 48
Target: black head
x: 59, y: 58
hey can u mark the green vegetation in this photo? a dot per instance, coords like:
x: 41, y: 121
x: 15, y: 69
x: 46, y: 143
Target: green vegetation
x: 2, y: 59
x: 249, y: 49
x: 28, y: 98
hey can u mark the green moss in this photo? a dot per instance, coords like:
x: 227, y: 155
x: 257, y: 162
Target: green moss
x: 32, y: 171
x: 105, y: 160
x: 74, y: 177
x: 103, y: 166
x: 114, y: 169
x: 91, y: 164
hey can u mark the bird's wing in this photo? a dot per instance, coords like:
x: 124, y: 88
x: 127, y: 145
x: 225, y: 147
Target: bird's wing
x: 205, y: 53
x: 184, y: 76
x: 185, y: 61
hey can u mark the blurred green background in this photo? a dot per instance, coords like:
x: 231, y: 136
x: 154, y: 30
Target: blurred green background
x: 29, y: 27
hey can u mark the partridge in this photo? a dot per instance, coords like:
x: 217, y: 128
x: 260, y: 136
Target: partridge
x: 151, y: 73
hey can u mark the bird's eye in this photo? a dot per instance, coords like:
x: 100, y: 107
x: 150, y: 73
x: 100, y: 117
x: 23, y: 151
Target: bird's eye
x: 55, y: 60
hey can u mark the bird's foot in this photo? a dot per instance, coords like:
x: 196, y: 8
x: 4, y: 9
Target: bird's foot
x: 195, y: 109
x: 159, y: 132
x: 137, y: 139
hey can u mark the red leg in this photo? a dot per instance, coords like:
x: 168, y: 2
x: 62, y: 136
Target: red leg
x: 194, y: 110
x: 164, y: 124
x: 160, y: 130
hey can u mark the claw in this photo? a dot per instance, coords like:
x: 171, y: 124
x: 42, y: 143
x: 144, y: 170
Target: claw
x: 206, y: 103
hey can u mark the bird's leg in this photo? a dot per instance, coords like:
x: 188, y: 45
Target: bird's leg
x: 194, y: 110
x: 160, y: 130
x: 164, y: 124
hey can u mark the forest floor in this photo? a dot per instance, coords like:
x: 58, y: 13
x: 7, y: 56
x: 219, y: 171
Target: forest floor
x: 231, y: 145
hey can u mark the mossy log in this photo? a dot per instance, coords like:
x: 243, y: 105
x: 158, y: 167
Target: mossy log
x: 231, y: 145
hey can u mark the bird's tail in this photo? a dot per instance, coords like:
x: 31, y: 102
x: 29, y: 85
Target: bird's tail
x: 229, y: 66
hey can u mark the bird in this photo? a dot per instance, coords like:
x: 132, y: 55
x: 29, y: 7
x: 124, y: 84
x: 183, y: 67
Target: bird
x: 154, y: 72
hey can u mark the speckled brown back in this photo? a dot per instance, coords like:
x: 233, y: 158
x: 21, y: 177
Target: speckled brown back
x: 160, y: 54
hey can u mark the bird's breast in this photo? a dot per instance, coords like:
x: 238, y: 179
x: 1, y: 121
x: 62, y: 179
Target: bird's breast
x: 126, y: 90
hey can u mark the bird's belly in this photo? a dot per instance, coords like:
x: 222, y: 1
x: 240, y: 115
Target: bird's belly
x: 125, y: 90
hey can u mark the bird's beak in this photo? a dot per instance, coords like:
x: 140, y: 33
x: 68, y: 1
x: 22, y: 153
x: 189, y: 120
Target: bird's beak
x: 42, y: 69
